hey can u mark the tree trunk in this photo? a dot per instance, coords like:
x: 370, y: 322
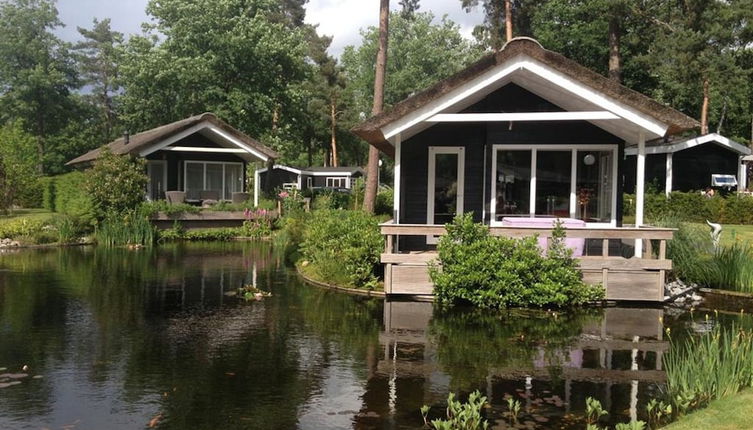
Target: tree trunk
x: 705, y: 108
x: 332, y: 130
x: 372, y: 170
x: 615, y: 61
x: 508, y: 20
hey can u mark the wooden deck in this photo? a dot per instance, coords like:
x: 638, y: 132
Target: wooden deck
x: 625, y: 279
x: 203, y: 219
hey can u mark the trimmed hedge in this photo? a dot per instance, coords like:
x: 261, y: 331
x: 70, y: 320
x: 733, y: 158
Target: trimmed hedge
x: 67, y: 194
x: 694, y: 207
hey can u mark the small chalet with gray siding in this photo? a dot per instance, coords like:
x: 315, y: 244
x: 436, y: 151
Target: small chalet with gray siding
x: 305, y: 178
x: 520, y: 138
x: 201, y: 156
x: 691, y: 164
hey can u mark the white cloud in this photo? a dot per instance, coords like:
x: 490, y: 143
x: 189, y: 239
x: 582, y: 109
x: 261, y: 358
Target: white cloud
x: 342, y: 19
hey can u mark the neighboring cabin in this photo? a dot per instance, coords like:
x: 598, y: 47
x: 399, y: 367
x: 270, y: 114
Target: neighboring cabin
x: 202, y: 156
x: 690, y: 164
x: 306, y: 178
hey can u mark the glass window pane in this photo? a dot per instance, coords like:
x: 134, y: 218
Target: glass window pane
x: 553, y: 183
x: 445, y: 188
x: 594, y: 186
x: 156, y: 180
x: 233, y: 180
x: 194, y: 180
x: 214, y: 178
x: 513, y: 183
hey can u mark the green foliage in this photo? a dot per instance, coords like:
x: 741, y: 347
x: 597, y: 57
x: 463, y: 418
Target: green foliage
x: 694, y: 207
x: 595, y: 412
x: 658, y: 413
x: 37, y: 73
x: 420, y: 53
x: 384, y: 200
x: 343, y: 246
x: 116, y: 183
x: 70, y: 196
x: 127, y: 227
x: 18, y: 173
x: 155, y: 206
x: 694, y: 259
x: 460, y: 416
x: 331, y: 199
x: 713, y: 365
x: 20, y: 227
x: 499, y: 272
x: 197, y: 57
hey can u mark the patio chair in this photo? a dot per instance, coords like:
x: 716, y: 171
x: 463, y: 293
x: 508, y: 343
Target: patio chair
x: 175, y: 197
x: 209, y: 198
x: 240, y: 198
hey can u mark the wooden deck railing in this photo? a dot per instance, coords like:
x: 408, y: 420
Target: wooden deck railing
x: 603, y: 261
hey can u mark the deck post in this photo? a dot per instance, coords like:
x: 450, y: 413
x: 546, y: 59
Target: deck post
x: 668, y: 183
x: 640, y: 178
x: 396, y: 189
x: 742, y: 180
x: 256, y: 188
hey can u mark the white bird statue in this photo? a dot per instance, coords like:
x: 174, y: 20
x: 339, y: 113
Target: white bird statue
x: 716, y: 233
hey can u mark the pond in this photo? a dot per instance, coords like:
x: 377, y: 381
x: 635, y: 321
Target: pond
x: 119, y: 339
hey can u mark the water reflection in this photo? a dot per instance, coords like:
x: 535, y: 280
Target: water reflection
x: 121, y: 337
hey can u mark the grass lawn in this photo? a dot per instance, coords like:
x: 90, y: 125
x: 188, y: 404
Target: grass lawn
x: 731, y: 413
x: 32, y: 214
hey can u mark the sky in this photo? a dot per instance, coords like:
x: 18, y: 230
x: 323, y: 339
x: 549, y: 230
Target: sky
x: 341, y: 19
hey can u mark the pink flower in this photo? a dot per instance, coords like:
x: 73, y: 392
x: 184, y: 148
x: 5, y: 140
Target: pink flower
x: 284, y: 195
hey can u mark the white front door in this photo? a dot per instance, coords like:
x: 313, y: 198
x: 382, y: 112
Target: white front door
x: 446, y: 181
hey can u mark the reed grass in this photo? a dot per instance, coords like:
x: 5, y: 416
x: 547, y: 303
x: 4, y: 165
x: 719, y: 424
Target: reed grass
x: 711, y: 366
x: 126, y: 228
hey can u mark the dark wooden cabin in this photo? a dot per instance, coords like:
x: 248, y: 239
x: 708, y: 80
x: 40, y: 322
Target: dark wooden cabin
x: 521, y: 138
x: 201, y: 155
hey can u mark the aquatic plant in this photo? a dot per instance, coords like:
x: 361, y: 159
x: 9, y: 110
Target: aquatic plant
x: 657, y: 412
x: 594, y: 412
x: 513, y: 409
x: 460, y: 416
x: 710, y: 366
x: 131, y: 227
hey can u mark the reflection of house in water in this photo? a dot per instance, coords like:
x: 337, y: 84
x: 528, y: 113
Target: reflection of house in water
x: 201, y: 279
x: 614, y: 356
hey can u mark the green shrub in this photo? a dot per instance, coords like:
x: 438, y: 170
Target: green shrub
x: 20, y: 227
x: 500, y: 272
x: 330, y: 199
x: 384, y: 200
x: 47, y: 185
x: 215, y: 234
x: 71, y: 197
x: 153, y: 207
x: 343, y: 246
x: 693, y: 207
x: 116, y: 183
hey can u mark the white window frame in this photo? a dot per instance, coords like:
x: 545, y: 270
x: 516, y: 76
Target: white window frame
x: 204, y: 174
x: 330, y: 181
x: 149, y: 164
x: 573, y: 148
x: 309, y: 182
x: 433, y: 151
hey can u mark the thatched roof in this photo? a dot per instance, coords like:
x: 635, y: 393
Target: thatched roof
x: 370, y: 130
x: 143, y: 140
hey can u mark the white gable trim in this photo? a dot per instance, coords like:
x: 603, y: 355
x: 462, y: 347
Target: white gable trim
x: 281, y: 167
x: 172, y: 139
x: 494, y: 77
x: 522, y: 116
x: 164, y: 144
x: 235, y: 141
x: 690, y: 143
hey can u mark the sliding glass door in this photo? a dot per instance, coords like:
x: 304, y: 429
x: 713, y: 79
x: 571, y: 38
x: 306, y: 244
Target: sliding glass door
x: 564, y: 181
x: 221, y: 178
